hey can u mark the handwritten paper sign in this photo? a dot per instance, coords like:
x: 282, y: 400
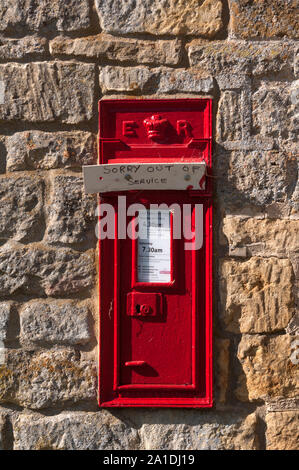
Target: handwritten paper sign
x: 123, y: 177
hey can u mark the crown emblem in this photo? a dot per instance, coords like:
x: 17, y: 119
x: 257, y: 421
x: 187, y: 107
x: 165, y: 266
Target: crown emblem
x: 156, y: 127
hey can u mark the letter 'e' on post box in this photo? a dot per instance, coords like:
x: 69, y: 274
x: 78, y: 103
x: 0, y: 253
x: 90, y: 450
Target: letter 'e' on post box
x: 155, y: 252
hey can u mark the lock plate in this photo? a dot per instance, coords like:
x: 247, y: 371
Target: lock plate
x: 144, y: 305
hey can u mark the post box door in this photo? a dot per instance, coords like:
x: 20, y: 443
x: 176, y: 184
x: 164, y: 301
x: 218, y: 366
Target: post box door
x: 156, y: 318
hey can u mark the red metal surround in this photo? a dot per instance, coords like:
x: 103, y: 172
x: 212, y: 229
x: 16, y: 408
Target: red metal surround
x: 156, y: 338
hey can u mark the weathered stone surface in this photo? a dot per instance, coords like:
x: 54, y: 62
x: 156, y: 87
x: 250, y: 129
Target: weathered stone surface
x: 74, y: 431
x: 267, y: 236
x: 42, y: 271
x: 71, y: 213
x: 255, y: 178
x: 229, y: 121
x: 180, y: 430
x: 159, y: 17
x: 44, y: 15
x: 21, y: 203
x: 5, y: 315
x: 43, y: 378
x: 106, y: 47
x: 267, y: 370
x: 41, y: 91
x: 19, y: 48
x: 128, y: 79
x: 184, y: 81
x: 256, y: 295
x: 263, y: 19
x: 222, y: 346
x: 282, y: 404
x: 293, y: 326
x: 275, y: 110
x: 54, y: 322
x: 163, y: 80
x: 282, y: 430
x: 235, y: 57
x: 38, y: 150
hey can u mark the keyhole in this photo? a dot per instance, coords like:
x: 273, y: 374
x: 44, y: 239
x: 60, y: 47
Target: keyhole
x: 137, y: 308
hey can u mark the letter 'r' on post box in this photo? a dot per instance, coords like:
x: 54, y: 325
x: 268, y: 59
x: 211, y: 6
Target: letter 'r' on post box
x: 155, y: 264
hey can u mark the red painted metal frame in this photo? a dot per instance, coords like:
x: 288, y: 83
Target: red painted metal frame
x: 198, y: 394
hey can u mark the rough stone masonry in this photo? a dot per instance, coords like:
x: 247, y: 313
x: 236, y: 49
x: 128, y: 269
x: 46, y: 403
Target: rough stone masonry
x: 57, y: 59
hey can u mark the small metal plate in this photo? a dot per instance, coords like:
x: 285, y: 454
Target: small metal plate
x: 162, y: 176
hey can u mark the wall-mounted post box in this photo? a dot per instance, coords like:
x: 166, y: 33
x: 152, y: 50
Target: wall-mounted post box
x: 155, y: 252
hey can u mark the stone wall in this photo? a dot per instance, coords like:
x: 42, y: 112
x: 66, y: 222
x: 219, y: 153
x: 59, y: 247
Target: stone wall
x: 57, y: 59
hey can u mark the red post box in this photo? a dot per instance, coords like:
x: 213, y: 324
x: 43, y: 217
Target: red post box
x: 155, y: 279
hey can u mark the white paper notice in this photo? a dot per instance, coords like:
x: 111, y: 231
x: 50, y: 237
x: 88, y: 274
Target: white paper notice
x: 154, y: 257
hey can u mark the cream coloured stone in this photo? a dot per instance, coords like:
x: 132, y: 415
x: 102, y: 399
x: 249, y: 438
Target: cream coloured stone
x: 272, y: 236
x: 266, y: 368
x: 107, y: 47
x: 38, y: 150
x: 42, y: 91
x: 73, y: 430
x: 256, y: 295
x: 159, y: 17
x: 240, y: 57
x: 181, y: 430
x: 282, y: 430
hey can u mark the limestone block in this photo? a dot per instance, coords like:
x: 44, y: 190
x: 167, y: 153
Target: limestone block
x: 265, y: 236
x: 181, y: 430
x: 267, y: 370
x: 45, y: 378
x: 275, y: 108
x: 128, y: 79
x: 71, y: 213
x: 19, y: 48
x: 256, y: 295
x: 189, y: 81
x: 239, y: 58
x: 42, y: 271
x: 159, y: 17
x: 38, y: 150
x: 282, y: 430
x: 43, y: 91
x: 60, y: 322
x: 48, y: 15
x: 106, y: 47
x: 21, y: 203
x: 255, y: 178
x: 263, y: 19
x: 74, y: 431
x: 163, y: 80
